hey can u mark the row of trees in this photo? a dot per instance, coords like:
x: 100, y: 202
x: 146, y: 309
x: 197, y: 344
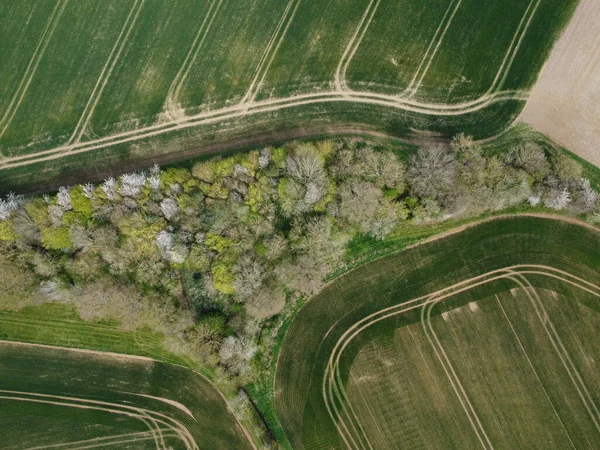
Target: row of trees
x: 217, y: 249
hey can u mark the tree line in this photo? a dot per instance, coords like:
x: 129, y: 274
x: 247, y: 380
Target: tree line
x: 212, y: 255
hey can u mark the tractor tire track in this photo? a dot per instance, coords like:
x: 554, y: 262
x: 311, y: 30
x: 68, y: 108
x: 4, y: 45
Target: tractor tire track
x: 172, y: 101
x: 438, y: 38
x: 333, y: 391
x: 514, y: 47
x: 17, y: 98
x: 537, y: 377
x: 251, y: 93
x: 255, y: 87
x: 107, y: 70
x: 352, y: 47
x: 272, y: 105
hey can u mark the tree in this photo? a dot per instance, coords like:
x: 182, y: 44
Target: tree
x: 471, y: 169
x: 222, y: 277
x: 169, y: 208
x: 386, y: 219
x: 358, y: 201
x: 431, y: 173
x: 264, y: 158
x: 427, y: 211
x: 132, y: 184
x: 109, y: 188
x: 44, y: 265
x: 81, y: 203
x: 25, y: 227
x: 556, y: 195
x: 63, y: 198
x: 204, y: 171
x: 304, y: 274
x: 249, y: 274
x: 306, y: 183
x: 276, y: 246
x: 236, y: 351
x: 268, y: 301
x: 9, y: 205
x: 566, y: 168
x: 381, y: 168
x: 583, y: 197
x: 58, y: 239
x: 206, y: 337
x: 461, y: 142
x: 531, y: 158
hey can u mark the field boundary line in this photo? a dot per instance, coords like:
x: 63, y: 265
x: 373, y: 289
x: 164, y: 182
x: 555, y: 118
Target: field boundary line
x: 106, y: 72
x: 121, y: 442
x: 255, y: 87
x: 436, y: 237
x: 248, y: 97
x: 171, y: 103
x: 78, y: 350
x: 353, y: 44
x: 533, y: 369
x: 417, y: 79
x: 31, y: 69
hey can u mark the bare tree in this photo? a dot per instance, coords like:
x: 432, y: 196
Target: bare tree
x: 249, y: 275
x: 267, y: 301
x: 431, y: 173
x: 531, y: 158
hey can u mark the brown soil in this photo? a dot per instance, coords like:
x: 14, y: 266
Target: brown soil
x: 565, y: 102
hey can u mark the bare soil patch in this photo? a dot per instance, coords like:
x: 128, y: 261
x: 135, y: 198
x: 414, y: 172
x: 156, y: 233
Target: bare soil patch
x: 565, y: 102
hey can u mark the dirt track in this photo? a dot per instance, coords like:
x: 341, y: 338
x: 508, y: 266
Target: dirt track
x: 565, y: 102
x: 261, y: 139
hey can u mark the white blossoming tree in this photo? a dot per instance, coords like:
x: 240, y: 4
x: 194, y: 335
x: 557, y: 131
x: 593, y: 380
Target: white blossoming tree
x: 63, y: 198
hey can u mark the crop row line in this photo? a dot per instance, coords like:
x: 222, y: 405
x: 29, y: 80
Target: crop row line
x: 152, y: 419
x: 340, y: 409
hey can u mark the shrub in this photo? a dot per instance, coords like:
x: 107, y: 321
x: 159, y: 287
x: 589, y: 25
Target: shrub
x: 6, y: 231
x: 56, y: 238
x: 222, y: 278
x: 81, y: 203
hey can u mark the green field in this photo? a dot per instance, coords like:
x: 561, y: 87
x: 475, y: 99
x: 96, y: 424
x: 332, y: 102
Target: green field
x: 485, y: 338
x: 60, y: 325
x: 137, y: 78
x: 56, y: 398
